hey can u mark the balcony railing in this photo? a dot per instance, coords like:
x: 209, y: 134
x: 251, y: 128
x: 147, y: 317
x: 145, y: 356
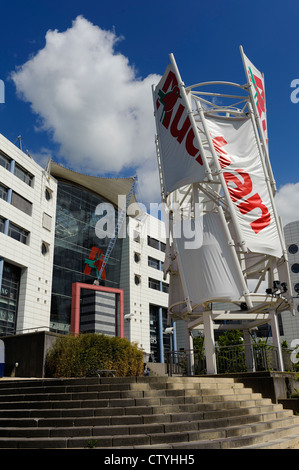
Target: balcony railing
x: 229, y: 359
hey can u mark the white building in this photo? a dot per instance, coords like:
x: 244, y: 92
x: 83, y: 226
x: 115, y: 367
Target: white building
x: 48, y: 231
x: 147, y: 302
x: 27, y: 226
x: 291, y: 323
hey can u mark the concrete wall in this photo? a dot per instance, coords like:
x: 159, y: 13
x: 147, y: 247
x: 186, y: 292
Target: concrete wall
x: 271, y: 384
x: 29, y: 352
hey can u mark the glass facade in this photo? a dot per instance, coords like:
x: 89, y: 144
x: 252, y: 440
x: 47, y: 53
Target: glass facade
x: 159, y: 340
x: 78, y: 252
x: 9, y: 298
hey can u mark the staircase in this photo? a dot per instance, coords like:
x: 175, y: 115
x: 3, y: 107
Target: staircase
x: 141, y: 413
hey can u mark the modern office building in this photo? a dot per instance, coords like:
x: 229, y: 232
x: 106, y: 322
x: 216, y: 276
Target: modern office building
x: 147, y: 302
x: 291, y: 323
x: 55, y: 228
x: 27, y: 228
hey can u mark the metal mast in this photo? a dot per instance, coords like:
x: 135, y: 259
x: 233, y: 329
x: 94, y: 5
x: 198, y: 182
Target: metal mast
x: 120, y: 221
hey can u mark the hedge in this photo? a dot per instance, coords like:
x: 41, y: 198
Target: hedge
x: 80, y: 356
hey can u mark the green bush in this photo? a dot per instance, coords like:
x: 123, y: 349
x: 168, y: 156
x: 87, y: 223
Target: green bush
x: 80, y: 356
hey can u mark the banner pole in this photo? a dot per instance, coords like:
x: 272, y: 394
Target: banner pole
x: 191, y: 117
x: 240, y: 239
x: 281, y: 238
x: 262, y: 135
x: 160, y: 167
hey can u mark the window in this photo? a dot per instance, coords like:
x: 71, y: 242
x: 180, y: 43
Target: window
x: 136, y: 236
x: 3, y: 192
x: 295, y: 268
x: 1, y: 225
x: 21, y: 203
x: 153, y: 242
x: 5, y: 161
x: 293, y: 249
x: 153, y: 263
x: 137, y: 257
x: 137, y: 279
x: 165, y: 287
x: 153, y: 283
x: 24, y: 175
x: 44, y: 248
x: 18, y: 233
x: 48, y: 194
x: 163, y: 247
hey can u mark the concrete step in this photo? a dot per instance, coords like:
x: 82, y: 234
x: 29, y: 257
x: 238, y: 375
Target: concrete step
x: 195, y: 412
x: 118, y: 389
x: 98, y: 426
x: 48, y: 393
x: 221, y: 438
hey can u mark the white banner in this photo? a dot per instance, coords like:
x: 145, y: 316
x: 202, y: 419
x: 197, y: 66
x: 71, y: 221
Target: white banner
x: 209, y: 270
x: 256, y: 78
x: 180, y: 156
x: 235, y: 144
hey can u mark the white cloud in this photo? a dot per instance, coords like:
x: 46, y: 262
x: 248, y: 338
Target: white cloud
x: 99, y: 111
x: 90, y: 99
x: 287, y: 203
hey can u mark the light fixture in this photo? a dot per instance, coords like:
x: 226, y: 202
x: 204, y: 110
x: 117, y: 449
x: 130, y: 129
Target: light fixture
x: 278, y: 288
x: 128, y: 316
x: 169, y: 331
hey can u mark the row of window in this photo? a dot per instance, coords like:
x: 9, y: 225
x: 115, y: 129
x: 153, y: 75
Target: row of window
x: 21, y: 235
x: 17, y: 200
x: 153, y: 284
x: 157, y: 244
x: 19, y: 172
x: 155, y: 263
x: 158, y: 285
x: 152, y: 262
x: 15, y: 232
x: 153, y: 242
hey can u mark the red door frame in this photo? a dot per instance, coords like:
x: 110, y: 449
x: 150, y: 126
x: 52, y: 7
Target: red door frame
x: 76, y: 295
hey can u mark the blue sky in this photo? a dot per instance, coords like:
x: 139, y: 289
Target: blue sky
x: 205, y: 39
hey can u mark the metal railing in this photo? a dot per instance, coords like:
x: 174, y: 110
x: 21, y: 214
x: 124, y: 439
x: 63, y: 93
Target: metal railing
x: 229, y: 359
x: 13, y: 331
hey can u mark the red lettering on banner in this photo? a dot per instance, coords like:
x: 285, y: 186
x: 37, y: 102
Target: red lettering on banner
x: 170, y: 82
x: 179, y: 133
x: 190, y: 147
x: 254, y: 202
x: 260, y: 96
x: 224, y: 159
x: 243, y: 188
x: 178, y: 130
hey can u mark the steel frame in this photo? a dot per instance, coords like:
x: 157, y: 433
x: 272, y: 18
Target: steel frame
x: 214, y: 188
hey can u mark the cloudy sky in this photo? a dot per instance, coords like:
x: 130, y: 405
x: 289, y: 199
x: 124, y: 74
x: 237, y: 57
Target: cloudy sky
x: 78, y: 78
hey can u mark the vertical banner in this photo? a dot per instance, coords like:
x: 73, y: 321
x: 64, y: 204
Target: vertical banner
x: 179, y: 145
x: 238, y: 154
x: 257, y: 91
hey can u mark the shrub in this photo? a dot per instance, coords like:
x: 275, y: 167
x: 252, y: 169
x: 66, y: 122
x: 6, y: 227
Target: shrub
x: 80, y: 356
